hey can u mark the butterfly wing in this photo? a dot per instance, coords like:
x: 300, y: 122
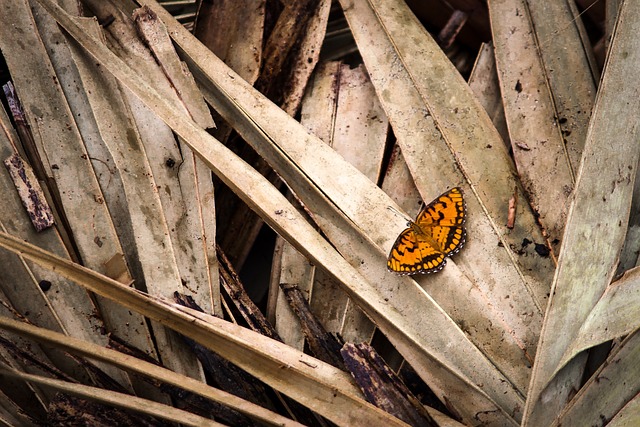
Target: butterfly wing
x: 443, y: 219
x: 410, y: 255
x: 437, y: 233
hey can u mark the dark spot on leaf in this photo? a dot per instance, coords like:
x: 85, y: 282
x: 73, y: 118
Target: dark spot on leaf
x: 45, y: 285
x: 542, y: 250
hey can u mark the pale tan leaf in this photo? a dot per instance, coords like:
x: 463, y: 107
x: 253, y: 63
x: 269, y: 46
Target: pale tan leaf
x: 94, y: 232
x: 59, y: 145
x: 341, y: 105
x: 569, y: 67
x: 628, y: 416
x: 185, y: 188
x: 484, y: 83
x: 608, y: 390
x: 447, y: 139
x: 293, y: 269
x: 614, y: 316
x: 547, y: 111
x: 41, y: 295
x: 143, y: 228
x: 595, y: 233
x: 315, y: 384
x: 368, y: 207
x: 130, y: 364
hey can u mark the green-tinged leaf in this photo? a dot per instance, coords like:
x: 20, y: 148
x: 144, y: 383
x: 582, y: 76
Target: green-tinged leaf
x: 317, y: 385
x: 595, y: 227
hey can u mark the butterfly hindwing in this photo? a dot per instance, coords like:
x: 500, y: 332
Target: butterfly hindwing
x: 409, y: 255
x: 438, y: 232
x: 450, y: 239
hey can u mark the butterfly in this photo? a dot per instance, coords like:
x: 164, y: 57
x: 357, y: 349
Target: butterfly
x: 437, y: 233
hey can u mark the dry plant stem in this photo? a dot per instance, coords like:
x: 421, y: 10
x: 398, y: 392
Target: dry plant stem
x: 13, y: 353
x: 322, y: 388
x: 513, y: 205
x: 134, y: 364
x: 297, y: 40
x: 112, y: 398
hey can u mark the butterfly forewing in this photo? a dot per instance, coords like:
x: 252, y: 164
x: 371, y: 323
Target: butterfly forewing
x: 447, y: 210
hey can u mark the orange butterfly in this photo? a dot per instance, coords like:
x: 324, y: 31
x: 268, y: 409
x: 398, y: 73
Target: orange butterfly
x: 437, y: 233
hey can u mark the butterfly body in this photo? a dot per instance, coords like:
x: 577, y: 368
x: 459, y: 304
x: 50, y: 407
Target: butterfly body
x: 436, y: 233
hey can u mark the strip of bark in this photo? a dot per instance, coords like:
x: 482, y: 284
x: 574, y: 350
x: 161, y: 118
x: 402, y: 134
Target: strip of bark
x: 382, y: 387
x: 324, y: 345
